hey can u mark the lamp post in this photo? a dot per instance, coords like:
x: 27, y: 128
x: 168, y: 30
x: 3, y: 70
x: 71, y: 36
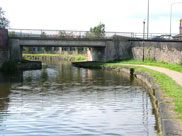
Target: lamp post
x: 171, y: 15
x: 143, y: 39
x: 148, y: 19
x: 144, y: 29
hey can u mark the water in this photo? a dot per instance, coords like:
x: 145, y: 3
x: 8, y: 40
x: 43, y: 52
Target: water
x: 61, y: 100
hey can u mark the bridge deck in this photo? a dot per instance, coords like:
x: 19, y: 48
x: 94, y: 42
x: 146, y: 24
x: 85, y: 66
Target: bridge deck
x: 61, y: 43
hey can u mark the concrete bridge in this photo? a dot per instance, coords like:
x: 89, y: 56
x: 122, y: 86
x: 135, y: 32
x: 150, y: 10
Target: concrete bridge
x: 95, y: 46
x: 108, y: 47
x: 99, y: 45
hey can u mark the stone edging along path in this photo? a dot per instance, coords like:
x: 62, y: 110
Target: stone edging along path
x: 166, y: 118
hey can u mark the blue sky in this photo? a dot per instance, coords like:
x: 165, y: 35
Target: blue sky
x: 117, y: 15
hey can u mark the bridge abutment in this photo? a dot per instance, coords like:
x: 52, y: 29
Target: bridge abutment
x: 96, y: 54
x: 4, y: 53
x: 15, y: 49
x: 117, y: 49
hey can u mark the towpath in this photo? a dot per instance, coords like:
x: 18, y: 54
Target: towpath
x: 176, y: 76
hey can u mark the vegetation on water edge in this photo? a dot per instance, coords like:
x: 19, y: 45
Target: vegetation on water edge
x: 77, y: 57
x: 168, y: 86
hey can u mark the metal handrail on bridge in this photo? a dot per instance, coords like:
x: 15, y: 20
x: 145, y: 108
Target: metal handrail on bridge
x: 45, y: 33
x: 64, y: 34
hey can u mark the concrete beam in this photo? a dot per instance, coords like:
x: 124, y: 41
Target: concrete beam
x: 61, y: 43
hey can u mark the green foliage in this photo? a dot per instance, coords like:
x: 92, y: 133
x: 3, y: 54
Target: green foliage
x: 97, y: 31
x: 4, y: 23
x: 9, y: 67
x: 62, y: 33
x: 65, y: 34
x: 12, y: 34
x: 43, y: 34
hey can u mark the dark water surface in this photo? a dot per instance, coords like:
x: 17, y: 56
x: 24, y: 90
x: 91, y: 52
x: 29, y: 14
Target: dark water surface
x: 61, y: 100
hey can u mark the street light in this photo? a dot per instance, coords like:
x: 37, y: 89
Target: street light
x: 143, y: 40
x: 171, y: 15
x: 148, y: 20
x: 144, y: 29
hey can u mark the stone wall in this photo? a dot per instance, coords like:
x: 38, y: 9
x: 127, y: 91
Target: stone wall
x: 170, y: 52
x: 3, y: 38
x: 123, y: 48
x: 4, y: 54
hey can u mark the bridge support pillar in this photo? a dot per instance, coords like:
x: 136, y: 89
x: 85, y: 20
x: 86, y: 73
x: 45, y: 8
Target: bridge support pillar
x: 15, y: 50
x: 96, y: 54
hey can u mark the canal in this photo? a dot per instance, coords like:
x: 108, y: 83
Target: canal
x: 62, y: 100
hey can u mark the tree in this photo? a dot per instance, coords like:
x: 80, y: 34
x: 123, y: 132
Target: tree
x: 65, y: 34
x: 4, y: 23
x: 97, y: 31
x: 43, y: 34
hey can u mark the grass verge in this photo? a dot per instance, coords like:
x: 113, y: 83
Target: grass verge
x: 175, y: 67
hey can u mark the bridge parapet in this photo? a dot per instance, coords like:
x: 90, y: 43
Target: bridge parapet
x: 71, y: 34
x: 64, y: 34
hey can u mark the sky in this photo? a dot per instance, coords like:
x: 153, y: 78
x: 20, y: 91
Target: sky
x: 117, y: 15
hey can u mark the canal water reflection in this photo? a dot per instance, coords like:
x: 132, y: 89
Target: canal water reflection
x: 61, y: 100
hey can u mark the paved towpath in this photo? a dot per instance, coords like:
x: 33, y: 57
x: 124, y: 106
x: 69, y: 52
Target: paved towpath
x: 176, y: 76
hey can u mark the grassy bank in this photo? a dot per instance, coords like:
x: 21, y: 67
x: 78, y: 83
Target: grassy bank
x: 168, y: 86
x: 175, y: 67
x: 77, y: 57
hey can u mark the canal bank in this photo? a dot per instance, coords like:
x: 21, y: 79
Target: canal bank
x: 168, y: 114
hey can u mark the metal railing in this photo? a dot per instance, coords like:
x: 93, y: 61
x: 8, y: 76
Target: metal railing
x: 43, y: 33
